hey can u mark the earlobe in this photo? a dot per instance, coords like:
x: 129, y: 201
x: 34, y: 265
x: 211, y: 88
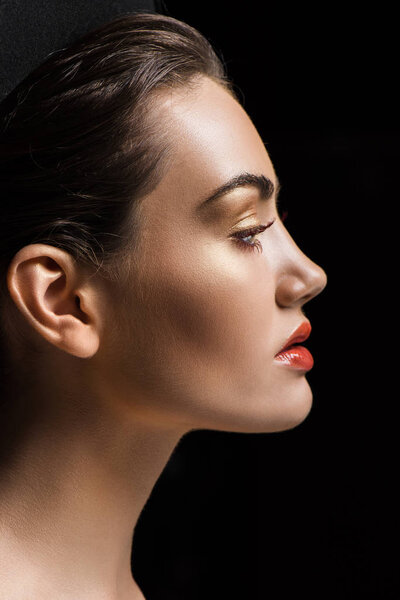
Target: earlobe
x: 48, y: 288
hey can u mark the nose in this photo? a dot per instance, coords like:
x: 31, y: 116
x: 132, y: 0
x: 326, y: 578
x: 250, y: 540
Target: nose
x: 300, y: 279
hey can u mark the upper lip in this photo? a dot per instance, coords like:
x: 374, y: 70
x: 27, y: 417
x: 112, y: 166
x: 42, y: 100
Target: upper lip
x: 300, y: 334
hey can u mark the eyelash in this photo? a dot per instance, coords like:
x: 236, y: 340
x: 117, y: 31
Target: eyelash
x: 250, y: 233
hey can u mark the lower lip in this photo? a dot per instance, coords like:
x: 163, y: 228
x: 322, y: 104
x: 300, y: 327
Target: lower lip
x: 296, y: 357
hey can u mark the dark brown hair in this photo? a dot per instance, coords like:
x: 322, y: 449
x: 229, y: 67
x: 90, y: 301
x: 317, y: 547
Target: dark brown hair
x: 78, y: 146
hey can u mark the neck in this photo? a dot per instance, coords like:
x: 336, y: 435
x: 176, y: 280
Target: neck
x: 70, y: 498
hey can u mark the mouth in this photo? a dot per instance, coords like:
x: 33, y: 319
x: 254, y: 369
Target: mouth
x: 293, y: 355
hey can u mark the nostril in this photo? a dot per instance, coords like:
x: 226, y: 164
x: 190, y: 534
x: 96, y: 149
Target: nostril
x: 297, y: 289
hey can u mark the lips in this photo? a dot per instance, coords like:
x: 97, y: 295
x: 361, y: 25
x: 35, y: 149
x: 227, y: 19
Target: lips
x: 297, y: 357
x: 299, y: 335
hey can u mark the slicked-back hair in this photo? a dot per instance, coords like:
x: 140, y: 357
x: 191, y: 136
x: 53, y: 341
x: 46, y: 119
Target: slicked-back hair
x: 79, y: 147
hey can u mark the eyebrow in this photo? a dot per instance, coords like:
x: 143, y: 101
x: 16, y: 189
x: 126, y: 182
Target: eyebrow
x: 264, y: 185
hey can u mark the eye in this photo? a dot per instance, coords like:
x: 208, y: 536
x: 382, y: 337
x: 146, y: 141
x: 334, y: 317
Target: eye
x: 241, y: 236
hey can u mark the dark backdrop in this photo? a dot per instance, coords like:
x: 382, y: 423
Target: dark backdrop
x: 312, y: 511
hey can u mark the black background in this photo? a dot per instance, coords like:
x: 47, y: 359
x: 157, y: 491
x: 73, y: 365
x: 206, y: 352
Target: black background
x: 313, y: 510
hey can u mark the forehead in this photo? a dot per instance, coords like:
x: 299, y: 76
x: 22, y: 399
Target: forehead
x: 212, y: 139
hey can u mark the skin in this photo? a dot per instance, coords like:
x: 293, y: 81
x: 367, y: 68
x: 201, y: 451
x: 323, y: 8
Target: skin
x: 188, y: 343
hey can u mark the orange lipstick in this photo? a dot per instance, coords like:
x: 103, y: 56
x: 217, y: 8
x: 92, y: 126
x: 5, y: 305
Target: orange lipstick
x: 294, y: 356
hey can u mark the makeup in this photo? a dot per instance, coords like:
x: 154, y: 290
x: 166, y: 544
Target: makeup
x: 294, y: 356
x: 252, y: 232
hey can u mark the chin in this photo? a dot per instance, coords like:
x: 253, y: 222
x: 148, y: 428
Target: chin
x: 297, y: 411
x: 286, y: 418
x: 293, y: 421
x: 261, y: 412
x: 290, y: 411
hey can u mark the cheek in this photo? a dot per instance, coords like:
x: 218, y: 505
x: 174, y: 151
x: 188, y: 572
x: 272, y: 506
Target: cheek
x: 215, y: 302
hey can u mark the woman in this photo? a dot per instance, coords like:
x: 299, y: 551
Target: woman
x: 149, y: 288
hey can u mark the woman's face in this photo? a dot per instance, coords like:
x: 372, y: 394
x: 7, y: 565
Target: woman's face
x: 205, y: 313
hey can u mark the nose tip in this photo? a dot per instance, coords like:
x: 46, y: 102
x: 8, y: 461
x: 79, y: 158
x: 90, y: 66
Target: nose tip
x: 317, y: 283
x: 295, y: 289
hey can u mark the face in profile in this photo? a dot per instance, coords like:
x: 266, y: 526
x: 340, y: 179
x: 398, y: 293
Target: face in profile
x: 209, y: 304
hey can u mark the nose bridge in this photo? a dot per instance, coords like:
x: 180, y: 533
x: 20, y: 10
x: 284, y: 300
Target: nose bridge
x: 300, y: 279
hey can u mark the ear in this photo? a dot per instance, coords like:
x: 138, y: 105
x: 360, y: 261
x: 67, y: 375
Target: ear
x: 57, y: 298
